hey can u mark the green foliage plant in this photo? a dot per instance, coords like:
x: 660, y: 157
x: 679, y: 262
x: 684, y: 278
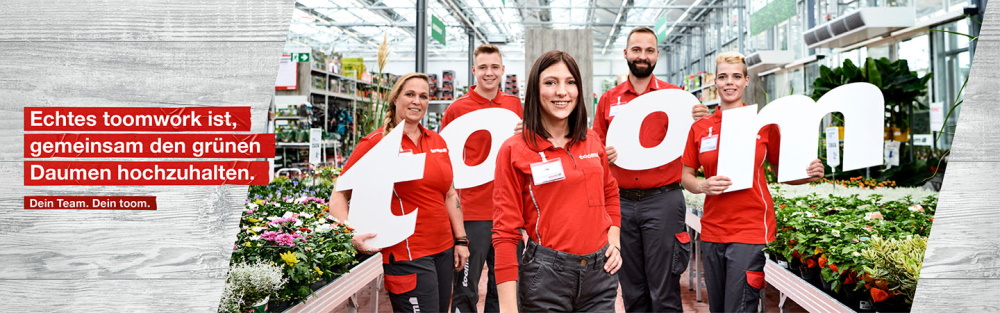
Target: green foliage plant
x: 900, y: 87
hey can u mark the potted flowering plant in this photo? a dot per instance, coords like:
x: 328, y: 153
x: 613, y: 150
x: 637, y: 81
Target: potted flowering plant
x: 894, y: 268
x: 828, y: 234
x: 286, y: 223
x: 249, y: 285
x: 859, y: 182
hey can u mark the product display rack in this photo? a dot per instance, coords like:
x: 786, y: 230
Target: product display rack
x: 326, y: 92
x: 435, y: 112
x: 702, y: 86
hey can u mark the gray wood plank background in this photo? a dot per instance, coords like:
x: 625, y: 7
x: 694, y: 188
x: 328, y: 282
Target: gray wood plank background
x: 577, y: 42
x: 137, y: 54
x: 961, y: 271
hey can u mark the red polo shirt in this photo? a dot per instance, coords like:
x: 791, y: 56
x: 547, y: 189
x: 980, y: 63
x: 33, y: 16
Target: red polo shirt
x: 653, y: 130
x: 477, y: 202
x: 744, y: 216
x: 432, y: 234
x: 572, y: 215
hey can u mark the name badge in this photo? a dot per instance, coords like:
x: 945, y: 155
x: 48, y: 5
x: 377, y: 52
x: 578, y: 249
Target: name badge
x: 615, y: 107
x: 405, y: 151
x: 709, y: 143
x: 547, y: 171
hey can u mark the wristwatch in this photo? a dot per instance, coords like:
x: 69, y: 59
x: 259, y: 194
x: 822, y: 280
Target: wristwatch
x: 462, y: 241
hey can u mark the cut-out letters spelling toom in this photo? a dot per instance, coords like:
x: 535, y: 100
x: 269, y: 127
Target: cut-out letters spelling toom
x: 798, y: 117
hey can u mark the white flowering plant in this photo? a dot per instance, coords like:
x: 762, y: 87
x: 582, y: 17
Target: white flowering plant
x: 249, y: 284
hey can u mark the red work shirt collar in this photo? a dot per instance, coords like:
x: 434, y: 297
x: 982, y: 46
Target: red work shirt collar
x: 423, y: 130
x: 541, y: 144
x: 654, y: 84
x: 476, y: 97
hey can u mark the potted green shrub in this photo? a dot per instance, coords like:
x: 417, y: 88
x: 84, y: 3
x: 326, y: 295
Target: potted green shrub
x: 900, y: 87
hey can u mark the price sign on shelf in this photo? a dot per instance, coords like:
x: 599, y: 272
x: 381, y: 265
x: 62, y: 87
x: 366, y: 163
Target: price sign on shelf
x: 833, y: 146
x: 315, y: 145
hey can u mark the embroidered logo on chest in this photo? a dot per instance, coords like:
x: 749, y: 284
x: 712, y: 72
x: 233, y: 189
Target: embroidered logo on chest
x: 589, y: 156
x: 445, y: 150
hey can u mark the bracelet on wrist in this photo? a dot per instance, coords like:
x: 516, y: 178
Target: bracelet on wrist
x: 462, y: 241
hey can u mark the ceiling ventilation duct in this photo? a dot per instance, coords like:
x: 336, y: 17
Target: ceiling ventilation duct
x: 768, y: 59
x: 858, y: 26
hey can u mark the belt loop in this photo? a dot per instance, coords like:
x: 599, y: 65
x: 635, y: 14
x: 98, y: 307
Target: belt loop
x: 530, y: 247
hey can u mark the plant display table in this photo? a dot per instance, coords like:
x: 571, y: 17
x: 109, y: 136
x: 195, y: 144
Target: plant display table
x: 788, y: 284
x: 804, y: 294
x: 346, y: 288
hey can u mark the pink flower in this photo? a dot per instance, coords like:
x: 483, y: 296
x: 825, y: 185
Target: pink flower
x: 287, y: 239
x: 281, y: 220
x: 314, y: 199
x: 269, y: 235
x: 917, y: 208
x: 873, y: 215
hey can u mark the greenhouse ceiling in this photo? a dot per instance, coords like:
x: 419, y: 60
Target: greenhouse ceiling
x: 356, y: 27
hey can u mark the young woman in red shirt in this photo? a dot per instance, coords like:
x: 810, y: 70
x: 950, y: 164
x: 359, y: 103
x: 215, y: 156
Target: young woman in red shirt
x: 735, y: 225
x: 553, y: 181
x: 418, y: 270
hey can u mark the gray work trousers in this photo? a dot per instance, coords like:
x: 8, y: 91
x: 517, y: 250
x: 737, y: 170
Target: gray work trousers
x: 655, y: 250
x: 734, y: 275
x: 555, y: 281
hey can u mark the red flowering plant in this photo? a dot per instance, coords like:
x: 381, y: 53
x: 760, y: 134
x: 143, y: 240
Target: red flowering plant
x: 894, y: 266
x: 858, y: 182
x: 286, y: 223
x: 831, y: 231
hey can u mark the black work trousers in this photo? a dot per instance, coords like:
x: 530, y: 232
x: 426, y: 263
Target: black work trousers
x: 421, y: 285
x: 466, y: 295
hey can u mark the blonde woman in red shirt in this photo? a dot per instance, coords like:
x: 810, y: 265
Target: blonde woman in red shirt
x: 418, y: 270
x: 553, y: 181
x: 737, y: 224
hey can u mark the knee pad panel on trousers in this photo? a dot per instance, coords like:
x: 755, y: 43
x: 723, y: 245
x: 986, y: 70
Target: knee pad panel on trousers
x: 400, y: 284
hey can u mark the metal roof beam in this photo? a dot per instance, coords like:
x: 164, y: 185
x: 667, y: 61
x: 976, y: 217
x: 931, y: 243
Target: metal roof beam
x: 539, y: 7
x: 412, y: 25
x: 330, y: 20
x: 622, y: 14
x: 464, y: 18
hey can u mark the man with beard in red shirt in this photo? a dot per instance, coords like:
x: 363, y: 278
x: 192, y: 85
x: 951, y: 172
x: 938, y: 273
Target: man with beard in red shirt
x: 655, y: 245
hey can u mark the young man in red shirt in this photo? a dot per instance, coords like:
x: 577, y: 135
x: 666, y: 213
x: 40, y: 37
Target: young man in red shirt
x: 477, y: 202
x: 655, y: 245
